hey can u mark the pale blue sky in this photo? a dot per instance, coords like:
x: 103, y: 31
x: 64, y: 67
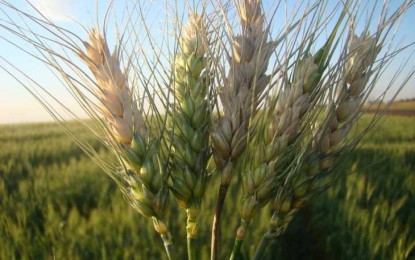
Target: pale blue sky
x: 17, y: 105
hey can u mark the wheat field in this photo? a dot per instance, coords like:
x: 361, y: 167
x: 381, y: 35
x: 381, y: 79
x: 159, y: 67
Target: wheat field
x: 55, y: 203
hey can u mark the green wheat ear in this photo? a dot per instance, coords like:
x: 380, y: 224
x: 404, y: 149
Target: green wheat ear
x: 190, y: 120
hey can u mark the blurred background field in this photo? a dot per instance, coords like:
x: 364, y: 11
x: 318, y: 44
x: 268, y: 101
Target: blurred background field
x: 55, y: 203
x: 401, y: 107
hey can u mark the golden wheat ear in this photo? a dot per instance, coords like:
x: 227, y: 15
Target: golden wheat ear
x: 147, y: 188
x: 116, y: 99
x: 240, y: 97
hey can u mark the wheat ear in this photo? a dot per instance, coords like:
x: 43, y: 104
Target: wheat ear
x: 330, y: 137
x: 191, y: 123
x: 148, y: 190
x: 116, y: 104
x: 281, y: 128
x: 282, y: 125
x: 362, y: 52
x: 240, y: 97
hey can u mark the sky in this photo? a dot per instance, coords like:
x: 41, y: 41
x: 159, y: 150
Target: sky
x: 18, y: 105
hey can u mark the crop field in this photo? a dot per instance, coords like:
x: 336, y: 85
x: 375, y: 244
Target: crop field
x: 55, y: 203
x: 402, y: 108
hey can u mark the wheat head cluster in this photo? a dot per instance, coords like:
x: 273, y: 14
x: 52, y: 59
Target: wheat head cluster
x: 230, y: 96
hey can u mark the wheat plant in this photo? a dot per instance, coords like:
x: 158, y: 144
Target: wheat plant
x: 227, y: 96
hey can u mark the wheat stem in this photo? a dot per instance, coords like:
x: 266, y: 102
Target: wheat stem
x: 236, y: 252
x: 265, y: 240
x: 223, y: 189
x: 168, y: 246
x: 190, y: 246
x: 191, y: 230
x: 239, y: 239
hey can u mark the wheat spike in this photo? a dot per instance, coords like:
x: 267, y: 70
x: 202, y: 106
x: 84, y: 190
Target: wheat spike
x: 116, y: 101
x: 283, y: 126
x: 246, y: 81
x: 240, y: 97
x: 148, y: 192
x: 362, y: 52
x: 191, y: 121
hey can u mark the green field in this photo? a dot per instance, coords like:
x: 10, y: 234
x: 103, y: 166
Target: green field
x: 401, y: 107
x: 56, y: 204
